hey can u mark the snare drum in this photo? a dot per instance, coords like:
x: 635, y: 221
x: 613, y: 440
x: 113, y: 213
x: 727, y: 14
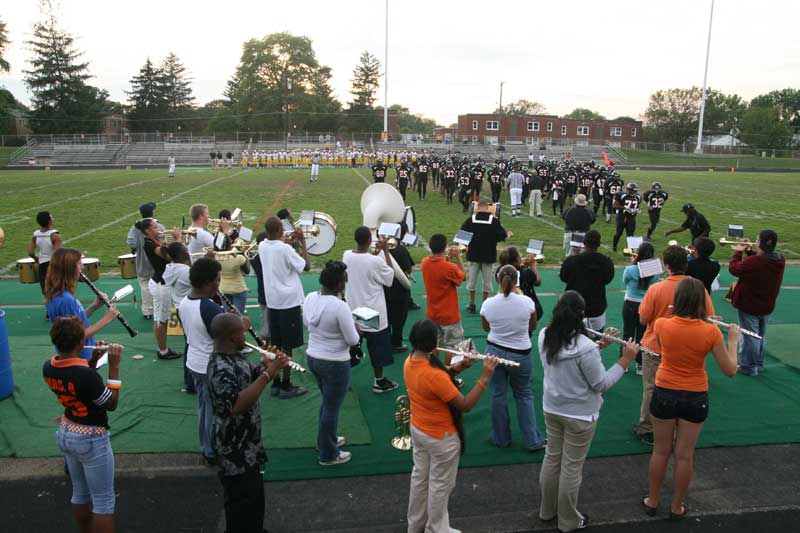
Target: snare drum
x: 127, y: 266
x: 28, y: 270
x: 91, y: 268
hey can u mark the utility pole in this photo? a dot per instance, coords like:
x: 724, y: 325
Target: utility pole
x: 500, y: 116
x: 699, y: 148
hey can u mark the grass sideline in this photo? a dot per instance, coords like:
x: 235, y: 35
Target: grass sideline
x: 94, y: 209
x: 654, y: 157
x: 5, y: 154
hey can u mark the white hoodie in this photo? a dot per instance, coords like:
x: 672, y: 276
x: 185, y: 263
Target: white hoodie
x: 331, y: 329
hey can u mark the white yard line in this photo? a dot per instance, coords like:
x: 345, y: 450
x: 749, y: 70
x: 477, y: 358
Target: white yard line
x: 132, y: 214
x: 361, y: 176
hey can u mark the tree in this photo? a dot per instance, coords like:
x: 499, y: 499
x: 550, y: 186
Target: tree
x: 764, y: 127
x: 522, y: 107
x: 787, y: 101
x: 7, y: 105
x: 148, y: 99
x: 672, y: 114
x: 366, y: 79
x: 408, y: 122
x: 582, y: 113
x: 176, y: 85
x: 62, y: 100
x: 4, y: 42
x: 723, y: 112
x: 624, y: 118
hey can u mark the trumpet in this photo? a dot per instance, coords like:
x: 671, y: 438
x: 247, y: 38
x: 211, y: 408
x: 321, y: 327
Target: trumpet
x: 290, y: 237
x: 630, y: 252
x: 746, y: 242
x: 538, y: 258
x: 213, y: 224
x: 612, y: 338
x: 186, y: 234
x: 475, y: 355
x: 689, y: 249
x: 271, y: 356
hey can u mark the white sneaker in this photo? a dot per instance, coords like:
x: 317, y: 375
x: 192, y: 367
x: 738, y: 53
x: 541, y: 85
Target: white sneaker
x: 247, y: 349
x: 343, y: 458
x: 340, y: 441
x: 639, y: 371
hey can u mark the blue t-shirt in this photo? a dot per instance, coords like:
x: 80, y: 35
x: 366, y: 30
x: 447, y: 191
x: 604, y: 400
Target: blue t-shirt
x: 65, y: 304
x: 630, y: 278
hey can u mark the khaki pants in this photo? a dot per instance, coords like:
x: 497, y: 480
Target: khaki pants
x: 649, y: 368
x: 568, y: 442
x: 147, y: 298
x: 432, y: 481
x: 536, y: 203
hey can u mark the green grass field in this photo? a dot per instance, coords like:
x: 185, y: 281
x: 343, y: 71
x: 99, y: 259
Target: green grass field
x: 94, y: 209
x: 5, y: 154
x: 654, y: 157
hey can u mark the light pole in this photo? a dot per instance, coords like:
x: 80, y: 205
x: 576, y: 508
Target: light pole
x: 500, y: 116
x: 699, y: 148
x: 386, y: 80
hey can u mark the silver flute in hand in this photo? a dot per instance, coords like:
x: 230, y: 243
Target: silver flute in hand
x: 271, y: 356
x: 612, y: 338
x: 722, y: 324
x: 473, y: 355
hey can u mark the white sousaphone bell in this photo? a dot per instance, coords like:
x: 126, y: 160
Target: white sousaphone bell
x: 380, y: 203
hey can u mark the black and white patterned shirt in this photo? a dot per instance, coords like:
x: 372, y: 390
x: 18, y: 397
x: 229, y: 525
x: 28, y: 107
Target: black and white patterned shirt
x: 236, y: 439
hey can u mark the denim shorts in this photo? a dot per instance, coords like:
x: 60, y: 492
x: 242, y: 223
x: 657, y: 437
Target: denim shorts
x: 668, y: 404
x: 91, y: 468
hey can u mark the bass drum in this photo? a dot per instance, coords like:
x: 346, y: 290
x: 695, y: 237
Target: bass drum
x: 410, y: 219
x: 91, y: 268
x: 325, y: 240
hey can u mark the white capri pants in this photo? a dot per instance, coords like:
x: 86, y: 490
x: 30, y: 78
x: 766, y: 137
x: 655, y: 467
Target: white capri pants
x: 162, y: 301
x: 516, y: 197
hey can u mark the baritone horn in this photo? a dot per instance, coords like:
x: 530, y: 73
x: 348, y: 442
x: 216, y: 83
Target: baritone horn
x: 186, y: 234
x: 402, y: 424
x: 734, y: 242
x: 235, y: 222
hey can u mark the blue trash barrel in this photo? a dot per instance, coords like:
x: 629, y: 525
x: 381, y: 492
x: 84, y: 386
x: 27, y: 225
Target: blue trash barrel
x: 6, y: 376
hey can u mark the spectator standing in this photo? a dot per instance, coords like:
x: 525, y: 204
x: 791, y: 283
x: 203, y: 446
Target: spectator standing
x: 588, y: 273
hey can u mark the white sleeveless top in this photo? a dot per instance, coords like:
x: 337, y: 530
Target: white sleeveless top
x: 45, y: 244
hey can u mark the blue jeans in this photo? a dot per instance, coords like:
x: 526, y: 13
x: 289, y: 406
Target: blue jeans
x: 752, y: 351
x: 239, y: 300
x: 333, y: 379
x: 204, y: 414
x: 91, y: 469
x: 519, y: 377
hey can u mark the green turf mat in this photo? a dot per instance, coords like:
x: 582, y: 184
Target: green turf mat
x: 155, y: 416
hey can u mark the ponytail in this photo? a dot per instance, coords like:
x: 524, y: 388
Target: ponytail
x: 506, y: 278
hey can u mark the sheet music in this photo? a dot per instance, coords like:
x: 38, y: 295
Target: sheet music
x: 246, y: 234
x: 634, y: 242
x: 650, y: 267
x: 535, y: 247
x: 410, y: 239
x: 463, y: 237
x: 307, y: 218
x: 389, y: 229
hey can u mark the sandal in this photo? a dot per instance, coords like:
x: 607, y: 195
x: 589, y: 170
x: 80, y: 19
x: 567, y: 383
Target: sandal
x: 679, y: 516
x: 649, y: 511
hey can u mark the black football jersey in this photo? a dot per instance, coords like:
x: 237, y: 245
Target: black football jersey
x: 558, y: 183
x: 464, y: 180
x: 403, y: 173
x: 655, y: 199
x: 614, y: 186
x: 495, y: 176
x: 572, y: 179
x: 450, y: 173
x: 379, y: 172
x: 585, y: 182
x: 477, y: 173
x: 599, y: 182
x: 630, y: 202
x: 422, y: 167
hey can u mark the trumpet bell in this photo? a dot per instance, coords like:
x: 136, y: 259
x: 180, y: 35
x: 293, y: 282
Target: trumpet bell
x: 629, y: 252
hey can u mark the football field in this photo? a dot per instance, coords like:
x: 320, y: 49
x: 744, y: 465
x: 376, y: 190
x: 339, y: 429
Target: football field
x: 93, y: 209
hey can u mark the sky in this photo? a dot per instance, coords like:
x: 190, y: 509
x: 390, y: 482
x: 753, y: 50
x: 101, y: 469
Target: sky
x: 448, y: 57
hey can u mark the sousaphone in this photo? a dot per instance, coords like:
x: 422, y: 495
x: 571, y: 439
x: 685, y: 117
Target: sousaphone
x: 380, y: 203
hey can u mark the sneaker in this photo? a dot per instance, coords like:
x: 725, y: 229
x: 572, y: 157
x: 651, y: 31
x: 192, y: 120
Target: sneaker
x: 646, y: 439
x: 400, y: 349
x: 344, y: 457
x: 288, y: 390
x: 471, y: 308
x: 542, y: 446
x: 744, y: 372
x: 639, y: 370
x: 413, y: 306
x: 247, y: 349
x: 171, y: 354
x: 340, y: 441
x: 147, y: 317
x: 379, y: 386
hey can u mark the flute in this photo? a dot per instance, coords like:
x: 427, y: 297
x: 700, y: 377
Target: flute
x: 271, y: 356
x: 132, y: 332
x: 612, y: 338
x: 725, y: 325
x: 471, y: 355
x: 236, y: 311
x: 106, y: 347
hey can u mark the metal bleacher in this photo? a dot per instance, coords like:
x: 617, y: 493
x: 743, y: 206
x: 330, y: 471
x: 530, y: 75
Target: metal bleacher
x: 54, y: 154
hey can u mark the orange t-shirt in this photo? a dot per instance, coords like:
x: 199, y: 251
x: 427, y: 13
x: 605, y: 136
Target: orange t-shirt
x: 657, y: 303
x: 685, y: 343
x: 429, y: 391
x: 442, y: 279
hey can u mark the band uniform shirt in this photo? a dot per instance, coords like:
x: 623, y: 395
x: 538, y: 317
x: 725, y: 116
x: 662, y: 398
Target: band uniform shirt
x: 236, y: 438
x: 578, y: 218
x: 281, y: 266
x: 760, y: 278
x: 697, y: 225
x: 657, y: 303
x: 367, y: 275
x: 429, y: 392
x: 685, y: 343
x: 589, y: 273
x: 158, y: 262
x: 204, y: 239
x: 65, y: 304
x: 256, y: 264
x: 79, y: 389
x: 44, y: 241
x: 441, y: 278
x: 704, y: 269
x: 196, y: 316
x: 486, y: 233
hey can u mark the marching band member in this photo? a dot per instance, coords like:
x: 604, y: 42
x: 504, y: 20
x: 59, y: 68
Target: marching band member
x: 48, y: 240
x: 588, y: 273
x: 437, y: 433
x: 203, y: 239
x: 176, y: 277
x: 528, y: 277
x: 144, y: 270
x: 577, y: 219
x: 398, y: 298
x: 235, y: 386
x: 510, y: 318
x: 263, y: 330
x: 486, y: 231
x: 635, y: 289
x: 760, y: 276
x: 574, y: 382
x: 162, y: 299
x: 679, y: 405
x: 232, y: 284
x: 83, y: 437
x: 331, y: 333
x: 59, y: 291
x: 702, y: 267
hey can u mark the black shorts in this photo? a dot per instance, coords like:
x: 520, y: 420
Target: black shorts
x: 286, y: 327
x: 668, y: 404
x: 379, y: 346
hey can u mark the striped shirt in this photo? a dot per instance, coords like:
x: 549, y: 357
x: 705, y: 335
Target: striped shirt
x: 515, y: 180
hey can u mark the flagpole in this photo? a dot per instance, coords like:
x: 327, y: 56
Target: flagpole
x: 699, y: 148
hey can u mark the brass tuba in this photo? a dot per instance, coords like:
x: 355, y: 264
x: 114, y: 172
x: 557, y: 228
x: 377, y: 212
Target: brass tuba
x: 402, y: 423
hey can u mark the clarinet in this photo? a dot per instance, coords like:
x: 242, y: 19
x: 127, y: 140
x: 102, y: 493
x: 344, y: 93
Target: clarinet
x: 132, y: 332
x: 231, y: 307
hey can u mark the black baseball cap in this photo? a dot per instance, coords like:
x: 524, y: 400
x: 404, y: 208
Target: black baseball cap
x: 686, y: 207
x: 147, y: 209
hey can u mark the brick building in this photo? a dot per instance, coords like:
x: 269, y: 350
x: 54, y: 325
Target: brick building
x: 545, y: 129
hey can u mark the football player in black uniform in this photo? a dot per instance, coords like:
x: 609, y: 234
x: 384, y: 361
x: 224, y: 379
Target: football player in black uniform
x: 477, y: 180
x: 613, y: 187
x: 379, y: 171
x: 628, y: 205
x: 465, y: 187
x: 502, y: 164
x: 571, y: 183
x: 403, y: 176
x: 585, y: 184
x: 421, y: 177
x: 496, y: 183
x: 655, y: 199
x: 557, y: 191
x: 449, y: 174
x: 598, y: 188
x: 435, y: 166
